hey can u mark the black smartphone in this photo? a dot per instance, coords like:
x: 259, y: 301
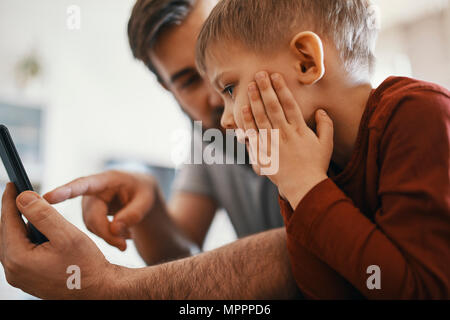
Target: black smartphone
x: 17, y: 175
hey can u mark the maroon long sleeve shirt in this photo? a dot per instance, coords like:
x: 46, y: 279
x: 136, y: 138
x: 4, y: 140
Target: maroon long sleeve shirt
x: 390, y: 207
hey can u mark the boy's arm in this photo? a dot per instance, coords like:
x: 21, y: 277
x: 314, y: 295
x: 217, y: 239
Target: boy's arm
x: 410, y: 239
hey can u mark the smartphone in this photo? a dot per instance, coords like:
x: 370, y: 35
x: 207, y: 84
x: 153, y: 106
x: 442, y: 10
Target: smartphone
x: 18, y: 176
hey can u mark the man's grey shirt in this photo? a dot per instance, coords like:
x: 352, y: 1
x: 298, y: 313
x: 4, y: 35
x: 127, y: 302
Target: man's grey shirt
x: 251, y: 201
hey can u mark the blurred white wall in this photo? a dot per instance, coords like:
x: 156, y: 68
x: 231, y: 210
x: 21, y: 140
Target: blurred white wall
x: 96, y: 96
x: 414, y: 40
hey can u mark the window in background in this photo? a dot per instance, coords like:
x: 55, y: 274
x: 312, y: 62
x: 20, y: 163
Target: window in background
x: 25, y: 126
x: 398, y: 64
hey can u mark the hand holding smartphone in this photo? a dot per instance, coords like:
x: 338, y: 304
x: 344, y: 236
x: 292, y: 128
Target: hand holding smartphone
x: 17, y: 175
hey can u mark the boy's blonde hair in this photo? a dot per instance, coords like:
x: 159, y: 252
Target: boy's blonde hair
x: 352, y: 25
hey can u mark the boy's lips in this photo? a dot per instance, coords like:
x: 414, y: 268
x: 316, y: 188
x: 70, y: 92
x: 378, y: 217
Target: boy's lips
x: 216, y: 116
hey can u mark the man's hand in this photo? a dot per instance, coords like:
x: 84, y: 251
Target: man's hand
x: 128, y: 197
x: 42, y: 270
x: 304, y: 156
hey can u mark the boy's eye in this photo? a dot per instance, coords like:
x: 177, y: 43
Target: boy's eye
x: 229, y: 90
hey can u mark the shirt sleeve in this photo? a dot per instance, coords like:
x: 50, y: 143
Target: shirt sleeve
x: 315, y: 279
x: 409, y: 239
x: 193, y: 178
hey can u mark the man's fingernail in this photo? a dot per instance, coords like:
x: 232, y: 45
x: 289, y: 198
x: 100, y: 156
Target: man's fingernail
x: 121, y: 229
x: 28, y: 198
x: 323, y: 112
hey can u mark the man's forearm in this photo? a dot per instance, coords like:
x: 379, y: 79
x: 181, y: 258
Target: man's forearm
x: 256, y: 267
x: 158, y: 239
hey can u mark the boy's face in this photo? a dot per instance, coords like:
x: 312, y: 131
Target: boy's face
x: 232, y: 68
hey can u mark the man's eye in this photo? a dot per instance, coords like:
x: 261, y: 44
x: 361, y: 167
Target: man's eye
x: 229, y: 90
x: 193, y: 79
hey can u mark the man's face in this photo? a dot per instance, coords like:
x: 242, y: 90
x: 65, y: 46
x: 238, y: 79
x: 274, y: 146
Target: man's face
x: 174, y: 59
x: 231, y: 68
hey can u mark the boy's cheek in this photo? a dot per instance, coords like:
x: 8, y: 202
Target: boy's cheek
x: 307, y: 106
x: 241, y: 101
x: 237, y: 113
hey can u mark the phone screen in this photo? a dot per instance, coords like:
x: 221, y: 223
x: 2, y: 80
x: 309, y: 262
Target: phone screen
x: 17, y: 174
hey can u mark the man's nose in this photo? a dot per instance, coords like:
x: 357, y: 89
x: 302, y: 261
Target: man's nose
x: 215, y: 100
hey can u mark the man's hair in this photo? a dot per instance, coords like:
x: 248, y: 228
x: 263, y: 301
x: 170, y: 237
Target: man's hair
x: 149, y: 19
x: 352, y: 25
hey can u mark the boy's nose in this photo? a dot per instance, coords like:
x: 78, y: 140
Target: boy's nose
x: 227, y: 121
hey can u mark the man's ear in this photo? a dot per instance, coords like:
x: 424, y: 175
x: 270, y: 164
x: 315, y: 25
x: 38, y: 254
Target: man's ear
x: 308, y: 48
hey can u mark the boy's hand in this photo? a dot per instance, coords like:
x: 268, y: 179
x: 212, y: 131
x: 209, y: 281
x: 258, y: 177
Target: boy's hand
x: 304, y: 157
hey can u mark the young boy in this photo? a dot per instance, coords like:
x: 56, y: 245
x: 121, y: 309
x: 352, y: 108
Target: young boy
x: 364, y: 174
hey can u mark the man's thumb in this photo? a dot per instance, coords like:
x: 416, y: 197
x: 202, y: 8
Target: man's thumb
x: 44, y: 217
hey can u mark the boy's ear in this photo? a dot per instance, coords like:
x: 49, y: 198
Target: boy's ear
x: 308, y: 48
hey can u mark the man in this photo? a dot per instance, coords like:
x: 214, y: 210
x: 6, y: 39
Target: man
x: 162, y: 34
